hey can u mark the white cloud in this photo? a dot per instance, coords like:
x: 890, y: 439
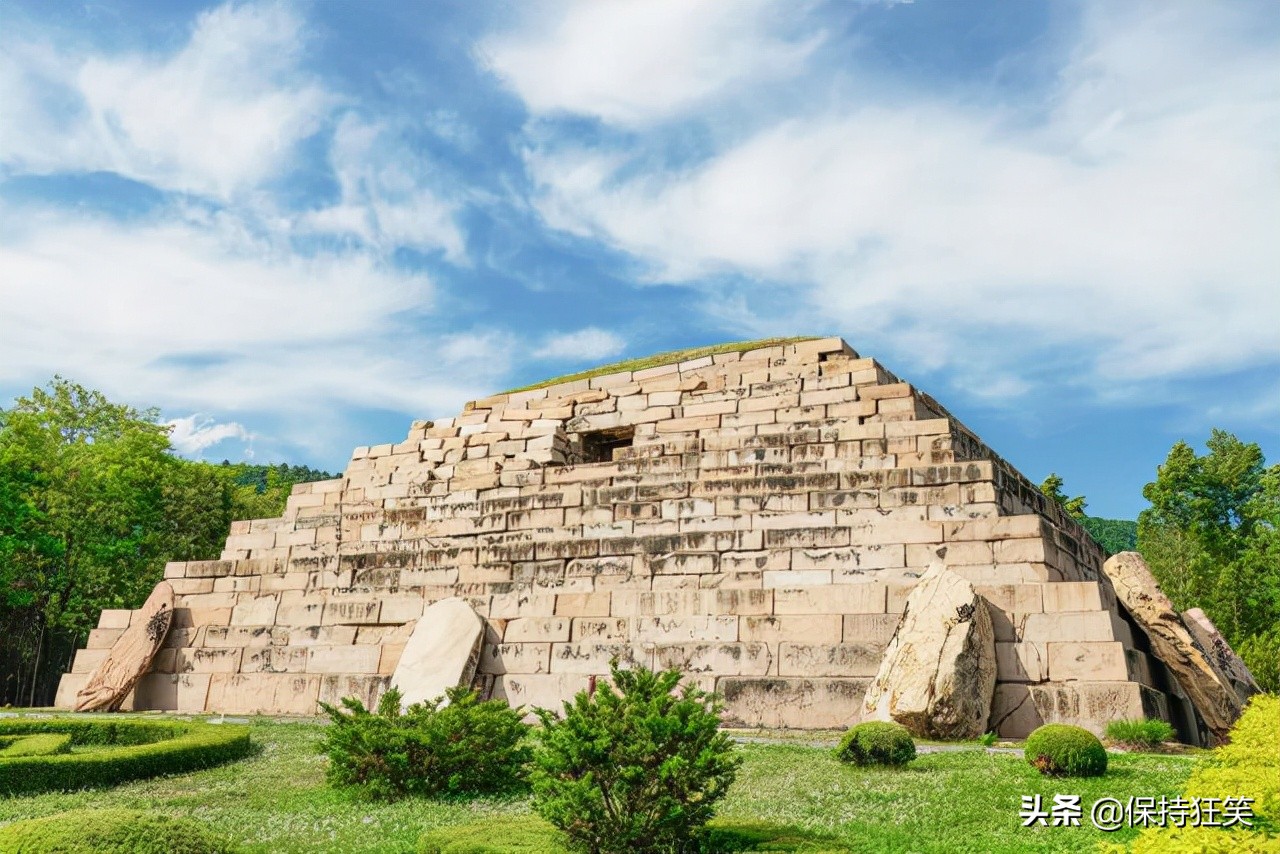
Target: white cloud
x: 584, y: 345
x: 194, y: 433
x: 191, y: 316
x: 1132, y: 228
x: 217, y: 117
x: 386, y: 200
x: 636, y: 61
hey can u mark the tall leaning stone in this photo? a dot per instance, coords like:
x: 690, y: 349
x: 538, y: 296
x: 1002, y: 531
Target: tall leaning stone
x: 1210, y: 692
x: 939, y: 669
x: 130, y: 656
x: 1220, y: 654
x: 442, y: 652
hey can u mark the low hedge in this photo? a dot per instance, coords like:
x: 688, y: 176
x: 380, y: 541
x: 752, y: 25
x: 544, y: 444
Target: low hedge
x: 114, y: 831
x: 44, y: 744
x: 139, y: 749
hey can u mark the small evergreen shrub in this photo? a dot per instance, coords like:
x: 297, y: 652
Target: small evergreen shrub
x: 988, y: 739
x: 138, y: 749
x: 114, y: 831
x: 636, y: 768
x: 517, y: 835
x: 1140, y: 734
x: 877, y: 743
x: 1068, y: 751
x: 46, y: 744
x: 468, y: 747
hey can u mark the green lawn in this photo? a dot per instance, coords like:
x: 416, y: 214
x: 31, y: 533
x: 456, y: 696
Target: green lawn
x: 277, y: 801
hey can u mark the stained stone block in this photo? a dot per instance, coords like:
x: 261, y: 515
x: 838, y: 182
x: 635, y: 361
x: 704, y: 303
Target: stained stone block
x: 1021, y: 662
x: 367, y: 689
x: 515, y: 658
x: 536, y: 629
x: 264, y: 693
x: 800, y: 628
x: 843, y: 659
x: 676, y: 629
x: 794, y: 703
x: 1088, y: 662
x: 541, y: 690
x: 720, y: 659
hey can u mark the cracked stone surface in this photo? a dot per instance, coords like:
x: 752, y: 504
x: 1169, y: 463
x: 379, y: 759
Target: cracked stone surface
x: 130, y: 656
x: 939, y: 669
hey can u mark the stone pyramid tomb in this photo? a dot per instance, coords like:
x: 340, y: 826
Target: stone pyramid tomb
x: 758, y: 519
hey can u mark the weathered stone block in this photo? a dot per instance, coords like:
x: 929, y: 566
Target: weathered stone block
x: 515, y: 658
x: 536, y: 630
x: 720, y: 659
x: 842, y: 659
x: 792, y: 702
x: 800, y: 628
x: 865, y: 598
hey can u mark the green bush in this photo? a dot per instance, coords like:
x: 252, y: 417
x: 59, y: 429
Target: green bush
x: 1247, y: 767
x: 635, y: 769
x: 467, y: 747
x: 988, y: 739
x: 1140, y: 734
x: 46, y: 744
x: 113, y: 831
x: 1068, y: 751
x: 877, y: 743
x: 139, y: 749
x: 517, y: 835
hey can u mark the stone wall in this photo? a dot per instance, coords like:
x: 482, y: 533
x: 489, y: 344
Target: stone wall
x: 755, y: 519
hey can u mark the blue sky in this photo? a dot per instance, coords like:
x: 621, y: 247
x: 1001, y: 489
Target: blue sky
x: 294, y: 227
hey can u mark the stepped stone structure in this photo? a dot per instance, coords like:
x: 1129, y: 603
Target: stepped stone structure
x: 756, y: 519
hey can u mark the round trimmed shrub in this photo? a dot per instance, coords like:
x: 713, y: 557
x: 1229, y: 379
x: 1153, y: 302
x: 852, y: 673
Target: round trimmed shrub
x: 1066, y: 751
x: 877, y: 743
x: 138, y: 749
x: 113, y: 831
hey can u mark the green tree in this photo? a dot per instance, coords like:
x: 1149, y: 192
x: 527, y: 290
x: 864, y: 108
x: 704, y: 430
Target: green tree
x: 635, y: 769
x: 1212, y: 535
x: 92, y: 504
x: 1052, y: 488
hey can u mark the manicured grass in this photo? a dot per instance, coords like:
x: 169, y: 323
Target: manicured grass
x: 663, y: 359
x: 276, y: 800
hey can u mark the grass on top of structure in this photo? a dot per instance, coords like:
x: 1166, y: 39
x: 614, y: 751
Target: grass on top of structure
x: 664, y: 359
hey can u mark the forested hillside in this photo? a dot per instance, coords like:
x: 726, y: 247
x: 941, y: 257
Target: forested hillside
x: 93, y: 503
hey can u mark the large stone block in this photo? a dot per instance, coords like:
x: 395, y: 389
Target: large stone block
x: 185, y: 692
x: 842, y: 659
x: 939, y: 669
x: 1019, y: 709
x: 442, y: 652
x: 718, y: 659
x: 792, y: 703
x: 264, y: 693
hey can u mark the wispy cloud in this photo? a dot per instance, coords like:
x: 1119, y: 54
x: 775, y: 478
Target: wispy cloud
x: 584, y: 345
x: 1126, y: 226
x: 639, y: 61
x: 216, y: 117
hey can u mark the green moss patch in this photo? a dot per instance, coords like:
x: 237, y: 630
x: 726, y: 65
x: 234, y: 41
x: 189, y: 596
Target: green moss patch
x: 126, y: 750
x: 664, y: 359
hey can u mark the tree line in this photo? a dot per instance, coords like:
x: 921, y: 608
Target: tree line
x: 93, y: 503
